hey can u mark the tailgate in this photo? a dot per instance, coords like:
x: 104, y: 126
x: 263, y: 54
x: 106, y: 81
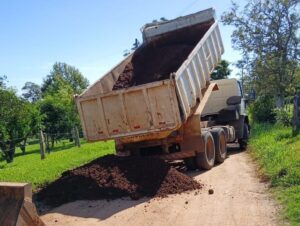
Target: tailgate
x: 138, y: 110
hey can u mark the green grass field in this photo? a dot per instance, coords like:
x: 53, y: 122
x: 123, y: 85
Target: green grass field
x: 278, y: 154
x: 30, y: 167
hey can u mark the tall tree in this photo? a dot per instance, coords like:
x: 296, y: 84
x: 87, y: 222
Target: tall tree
x: 266, y: 32
x: 32, y: 92
x: 17, y: 120
x: 221, y: 71
x: 62, y: 74
x: 59, y: 113
x: 58, y: 105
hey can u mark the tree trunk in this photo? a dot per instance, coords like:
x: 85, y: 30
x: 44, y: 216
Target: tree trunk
x: 296, y: 121
x: 52, y: 142
x: 23, y: 146
x: 47, y: 143
x: 11, y: 152
x: 5, y: 148
x: 280, y: 100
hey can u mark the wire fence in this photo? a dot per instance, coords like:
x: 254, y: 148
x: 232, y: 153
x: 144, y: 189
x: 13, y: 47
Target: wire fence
x: 46, y: 142
x: 54, y: 135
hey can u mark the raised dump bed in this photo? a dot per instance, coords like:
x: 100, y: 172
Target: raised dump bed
x: 153, y: 91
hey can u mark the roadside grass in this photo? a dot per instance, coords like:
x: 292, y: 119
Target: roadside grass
x: 30, y: 168
x: 278, y: 154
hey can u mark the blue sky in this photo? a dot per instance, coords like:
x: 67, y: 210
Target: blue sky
x: 88, y: 34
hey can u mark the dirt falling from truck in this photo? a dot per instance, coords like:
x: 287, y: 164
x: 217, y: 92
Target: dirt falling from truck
x: 152, y: 63
x: 111, y: 177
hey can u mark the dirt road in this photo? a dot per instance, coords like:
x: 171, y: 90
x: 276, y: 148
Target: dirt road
x: 239, y: 199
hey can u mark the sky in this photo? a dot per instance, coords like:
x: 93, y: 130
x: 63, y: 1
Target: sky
x: 88, y: 34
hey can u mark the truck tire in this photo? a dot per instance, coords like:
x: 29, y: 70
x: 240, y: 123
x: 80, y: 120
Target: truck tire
x: 190, y: 163
x: 206, y: 159
x: 220, y: 144
x: 243, y: 141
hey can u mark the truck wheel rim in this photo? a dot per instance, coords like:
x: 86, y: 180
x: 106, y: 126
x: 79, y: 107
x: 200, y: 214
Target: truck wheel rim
x: 222, y: 144
x: 210, y: 150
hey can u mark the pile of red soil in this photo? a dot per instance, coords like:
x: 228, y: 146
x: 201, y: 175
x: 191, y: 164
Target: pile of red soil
x: 152, y: 63
x: 113, y: 177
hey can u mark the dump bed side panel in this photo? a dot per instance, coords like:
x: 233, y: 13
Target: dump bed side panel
x: 193, y: 76
x: 138, y: 110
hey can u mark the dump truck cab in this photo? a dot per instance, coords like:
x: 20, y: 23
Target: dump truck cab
x: 226, y: 106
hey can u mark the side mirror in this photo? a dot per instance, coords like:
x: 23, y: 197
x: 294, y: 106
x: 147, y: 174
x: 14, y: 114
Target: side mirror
x: 234, y: 100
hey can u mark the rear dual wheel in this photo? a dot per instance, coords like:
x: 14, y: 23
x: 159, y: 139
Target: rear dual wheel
x: 215, y: 150
x: 220, y: 144
x: 206, y: 159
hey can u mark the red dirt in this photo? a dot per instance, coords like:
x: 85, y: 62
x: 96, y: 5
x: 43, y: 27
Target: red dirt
x: 158, y: 59
x: 112, y: 177
x: 153, y: 63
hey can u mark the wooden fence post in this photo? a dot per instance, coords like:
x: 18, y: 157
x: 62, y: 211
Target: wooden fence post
x: 73, y: 136
x: 296, y: 113
x: 77, y: 139
x: 46, y: 136
x: 42, y: 145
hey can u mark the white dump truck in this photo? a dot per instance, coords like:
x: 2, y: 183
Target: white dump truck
x: 161, y: 101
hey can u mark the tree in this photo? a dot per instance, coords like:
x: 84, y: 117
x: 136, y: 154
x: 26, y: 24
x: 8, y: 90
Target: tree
x: 221, y: 71
x: 3, y: 79
x: 17, y: 120
x: 32, y: 92
x: 162, y: 19
x: 59, y: 113
x: 266, y: 32
x: 135, y: 45
x: 62, y: 74
x: 58, y: 105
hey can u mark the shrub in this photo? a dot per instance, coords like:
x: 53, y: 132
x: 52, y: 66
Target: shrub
x: 262, y: 109
x: 284, y: 116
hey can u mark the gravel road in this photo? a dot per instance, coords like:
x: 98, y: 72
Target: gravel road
x: 239, y: 198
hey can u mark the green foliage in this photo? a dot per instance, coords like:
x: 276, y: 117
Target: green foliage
x: 267, y: 33
x: 284, y: 116
x: 221, y: 71
x: 30, y: 168
x: 17, y: 121
x: 135, y: 45
x: 58, y: 105
x: 59, y: 112
x: 63, y: 75
x: 32, y: 92
x: 51, y: 108
x: 278, y: 154
x: 261, y: 110
x: 3, y: 81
